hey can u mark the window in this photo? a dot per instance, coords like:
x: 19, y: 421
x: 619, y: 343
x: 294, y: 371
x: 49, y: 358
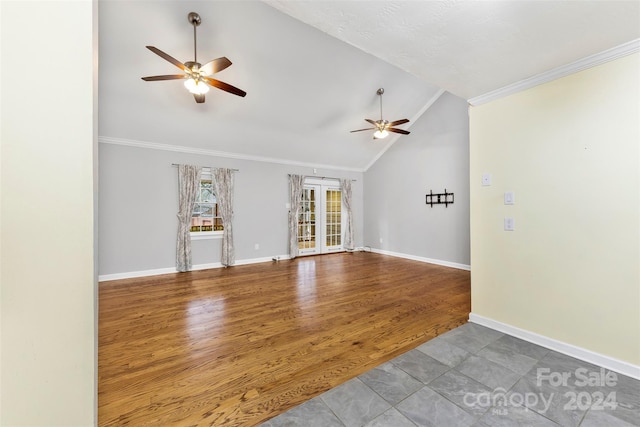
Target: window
x: 205, y: 220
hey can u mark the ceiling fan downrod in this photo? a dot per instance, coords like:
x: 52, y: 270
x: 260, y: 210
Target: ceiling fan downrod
x: 380, y: 92
x: 195, y: 20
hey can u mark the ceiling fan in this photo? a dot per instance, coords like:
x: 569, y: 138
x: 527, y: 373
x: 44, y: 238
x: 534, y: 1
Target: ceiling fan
x: 196, y: 75
x: 383, y: 127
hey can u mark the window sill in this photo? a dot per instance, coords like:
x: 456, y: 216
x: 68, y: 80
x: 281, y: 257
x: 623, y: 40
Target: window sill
x: 204, y: 235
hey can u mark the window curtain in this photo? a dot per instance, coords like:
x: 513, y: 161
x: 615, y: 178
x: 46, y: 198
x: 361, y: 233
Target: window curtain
x: 347, y: 200
x: 188, y: 186
x: 296, y: 184
x: 223, y: 187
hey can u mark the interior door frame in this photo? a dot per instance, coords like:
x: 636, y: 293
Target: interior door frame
x: 321, y: 186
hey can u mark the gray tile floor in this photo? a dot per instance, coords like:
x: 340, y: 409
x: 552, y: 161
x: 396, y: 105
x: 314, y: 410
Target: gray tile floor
x: 475, y: 376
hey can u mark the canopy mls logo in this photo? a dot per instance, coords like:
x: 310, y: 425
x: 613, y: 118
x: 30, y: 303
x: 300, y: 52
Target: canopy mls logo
x: 499, y: 400
x: 583, y: 389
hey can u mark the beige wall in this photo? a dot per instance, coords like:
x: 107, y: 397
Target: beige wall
x: 569, y: 150
x: 48, y: 293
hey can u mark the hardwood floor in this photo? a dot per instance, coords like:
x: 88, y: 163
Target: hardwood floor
x: 238, y: 346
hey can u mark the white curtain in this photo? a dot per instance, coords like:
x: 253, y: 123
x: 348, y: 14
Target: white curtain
x: 188, y: 185
x: 296, y: 184
x: 345, y: 185
x: 223, y: 187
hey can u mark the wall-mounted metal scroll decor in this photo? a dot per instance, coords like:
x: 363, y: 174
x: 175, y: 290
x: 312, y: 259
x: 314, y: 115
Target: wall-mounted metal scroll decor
x: 445, y: 198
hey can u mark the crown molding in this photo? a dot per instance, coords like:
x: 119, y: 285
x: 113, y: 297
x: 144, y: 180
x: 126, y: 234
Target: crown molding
x: 415, y: 118
x: 214, y: 153
x: 556, y: 73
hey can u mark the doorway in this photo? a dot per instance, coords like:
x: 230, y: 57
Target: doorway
x: 320, y: 222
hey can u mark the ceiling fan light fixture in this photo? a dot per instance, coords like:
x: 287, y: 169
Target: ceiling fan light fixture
x: 383, y: 127
x: 379, y: 134
x: 197, y: 87
x: 197, y: 76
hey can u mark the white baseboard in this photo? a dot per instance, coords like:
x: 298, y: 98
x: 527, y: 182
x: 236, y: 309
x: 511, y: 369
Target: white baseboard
x: 169, y: 270
x: 134, y: 274
x: 265, y: 259
x: 602, y: 360
x: 423, y: 259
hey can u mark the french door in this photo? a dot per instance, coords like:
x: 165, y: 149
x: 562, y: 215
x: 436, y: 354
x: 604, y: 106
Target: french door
x: 320, y: 222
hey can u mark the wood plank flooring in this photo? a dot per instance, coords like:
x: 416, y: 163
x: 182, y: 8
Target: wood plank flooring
x: 238, y: 346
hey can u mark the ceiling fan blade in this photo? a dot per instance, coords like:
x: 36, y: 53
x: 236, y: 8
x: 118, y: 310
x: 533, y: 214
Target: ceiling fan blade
x: 199, y: 98
x: 215, y: 66
x: 224, y: 86
x: 402, y: 131
x: 373, y: 122
x: 360, y: 130
x: 169, y: 58
x: 165, y: 77
x: 399, y: 122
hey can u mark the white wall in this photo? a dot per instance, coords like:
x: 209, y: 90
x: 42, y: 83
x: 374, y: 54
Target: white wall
x: 435, y: 156
x: 48, y: 284
x: 139, y: 199
x: 570, y: 151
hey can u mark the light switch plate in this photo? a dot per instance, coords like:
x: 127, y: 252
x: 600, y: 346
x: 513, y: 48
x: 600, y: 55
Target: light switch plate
x: 509, y: 198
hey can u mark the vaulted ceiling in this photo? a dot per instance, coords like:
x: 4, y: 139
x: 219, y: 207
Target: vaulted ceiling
x: 311, y: 68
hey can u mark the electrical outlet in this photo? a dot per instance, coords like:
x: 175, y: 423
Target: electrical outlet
x: 509, y: 224
x: 256, y: 246
x: 486, y: 179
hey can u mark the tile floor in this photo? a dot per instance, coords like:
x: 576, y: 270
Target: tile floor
x: 475, y: 376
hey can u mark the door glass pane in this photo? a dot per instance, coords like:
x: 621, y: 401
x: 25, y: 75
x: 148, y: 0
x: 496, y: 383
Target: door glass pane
x: 307, y: 220
x: 333, y: 217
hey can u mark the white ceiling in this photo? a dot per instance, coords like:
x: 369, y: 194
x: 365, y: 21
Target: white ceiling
x: 470, y: 48
x: 309, y: 85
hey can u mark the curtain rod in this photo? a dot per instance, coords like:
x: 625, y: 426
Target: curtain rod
x: 176, y: 164
x: 323, y: 177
